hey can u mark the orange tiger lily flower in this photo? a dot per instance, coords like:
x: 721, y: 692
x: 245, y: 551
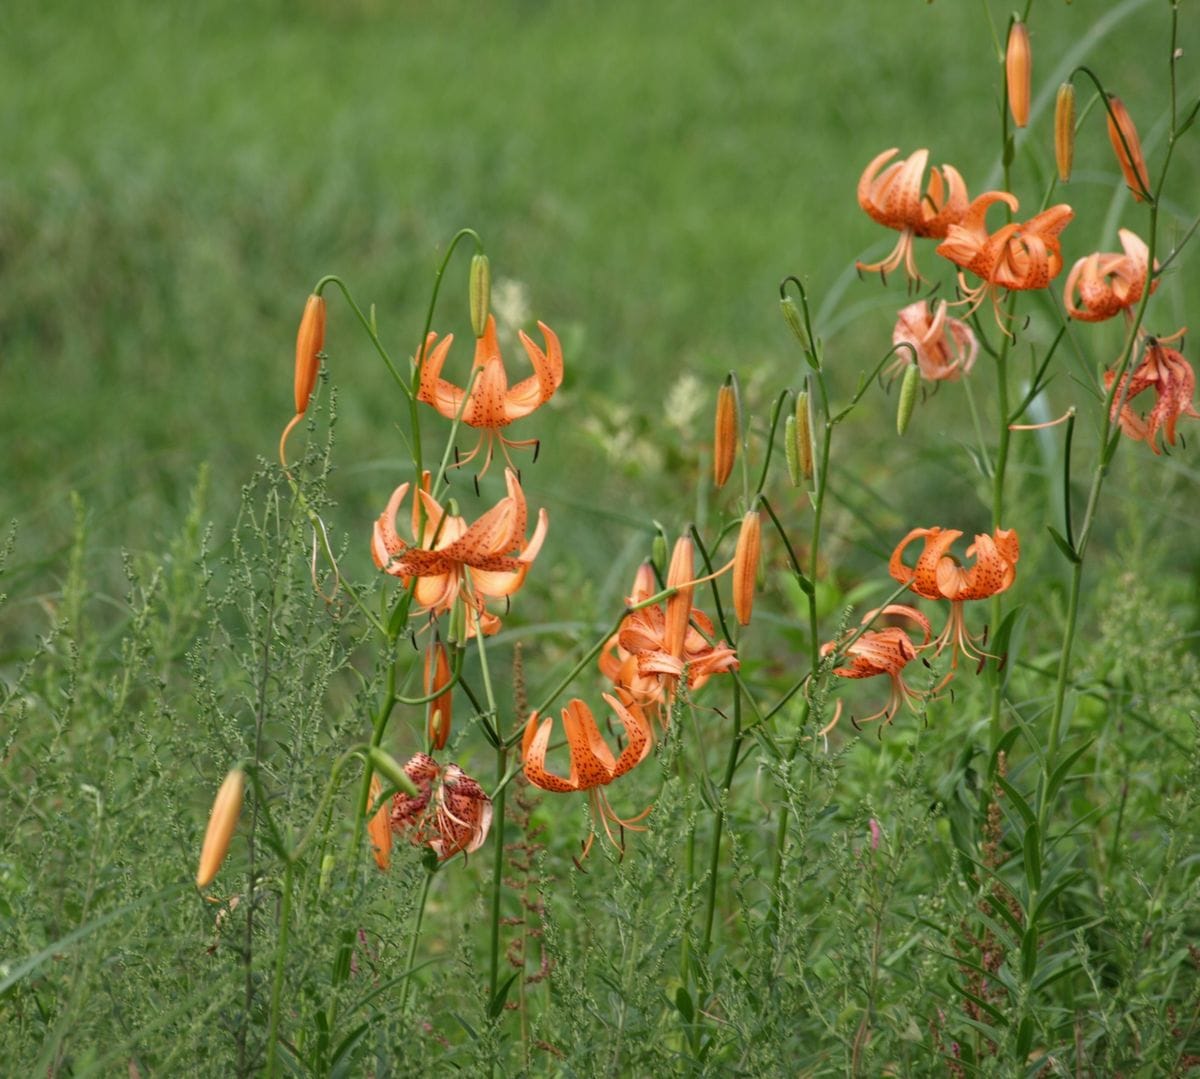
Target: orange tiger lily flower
x: 944, y: 347
x: 1107, y: 283
x: 938, y: 575
x: 1174, y: 382
x: 1017, y: 256
x: 884, y: 651
x: 593, y: 764
x: 490, y: 403
x: 487, y: 560
x: 893, y: 198
x: 455, y: 816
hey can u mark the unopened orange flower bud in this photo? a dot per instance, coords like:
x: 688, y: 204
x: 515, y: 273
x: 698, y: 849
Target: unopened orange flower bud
x: 725, y: 437
x: 1064, y: 130
x: 1128, y: 148
x: 379, y: 827
x: 908, y: 397
x: 480, y: 293
x: 644, y: 584
x: 227, y: 807
x: 682, y: 571
x: 437, y: 677
x: 309, y: 341
x: 745, y: 565
x: 1018, y: 69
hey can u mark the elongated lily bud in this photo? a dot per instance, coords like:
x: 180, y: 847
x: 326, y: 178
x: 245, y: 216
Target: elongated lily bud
x: 791, y: 315
x: 310, y: 339
x: 379, y: 827
x: 804, y: 444
x: 644, y: 584
x: 1064, y: 130
x: 437, y: 677
x: 790, y: 451
x: 227, y: 807
x: 679, y: 606
x: 725, y: 437
x: 1018, y: 68
x: 480, y: 293
x: 908, y: 397
x: 1128, y: 148
x: 745, y: 565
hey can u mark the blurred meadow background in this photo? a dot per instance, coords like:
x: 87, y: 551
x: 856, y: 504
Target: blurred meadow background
x: 177, y: 177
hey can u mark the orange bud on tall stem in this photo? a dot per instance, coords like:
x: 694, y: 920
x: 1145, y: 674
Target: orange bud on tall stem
x: 1018, y: 69
x: 1128, y: 148
x: 227, y: 807
x: 745, y: 565
x: 310, y: 339
x: 725, y: 437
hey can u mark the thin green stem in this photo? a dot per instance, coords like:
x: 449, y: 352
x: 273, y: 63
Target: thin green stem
x: 285, y: 921
x: 415, y: 937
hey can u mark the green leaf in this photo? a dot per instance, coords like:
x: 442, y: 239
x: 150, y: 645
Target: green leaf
x: 1024, y: 1037
x: 1003, y: 746
x: 496, y: 1004
x: 1033, y: 858
x: 1069, y: 551
x: 683, y: 1002
x: 1021, y: 805
x: 1029, y: 952
x: 1060, y: 773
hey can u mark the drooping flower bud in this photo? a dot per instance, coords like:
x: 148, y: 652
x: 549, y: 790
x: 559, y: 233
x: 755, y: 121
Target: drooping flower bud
x: 437, y: 677
x: 379, y: 827
x: 745, y: 565
x: 804, y: 444
x: 226, y: 808
x: 679, y: 607
x: 1018, y: 69
x: 725, y: 436
x: 1128, y: 148
x: 791, y: 315
x: 908, y: 397
x: 1064, y: 130
x: 310, y: 339
x: 480, y: 293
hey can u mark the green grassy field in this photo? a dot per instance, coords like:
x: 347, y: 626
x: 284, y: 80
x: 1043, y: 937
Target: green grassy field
x: 643, y: 175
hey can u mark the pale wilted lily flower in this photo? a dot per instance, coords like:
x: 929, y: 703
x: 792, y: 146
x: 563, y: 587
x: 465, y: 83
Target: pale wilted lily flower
x: 1170, y: 376
x: 450, y: 814
x: 1107, y: 283
x: 894, y: 198
x: 943, y: 347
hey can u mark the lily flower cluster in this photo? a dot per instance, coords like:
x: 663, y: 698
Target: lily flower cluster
x: 936, y: 575
x: 657, y: 649
x: 1022, y: 256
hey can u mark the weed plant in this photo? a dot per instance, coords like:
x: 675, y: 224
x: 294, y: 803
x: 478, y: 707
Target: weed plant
x: 502, y: 806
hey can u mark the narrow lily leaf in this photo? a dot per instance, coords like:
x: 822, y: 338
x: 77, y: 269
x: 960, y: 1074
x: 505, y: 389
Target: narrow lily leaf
x: 1060, y: 541
x: 1060, y: 773
x: 683, y: 1002
x: 1188, y: 120
x: 997, y: 1015
x: 1033, y: 859
x: 1018, y: 802
x: 496, y: 1005
x: 1024, y: 1037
